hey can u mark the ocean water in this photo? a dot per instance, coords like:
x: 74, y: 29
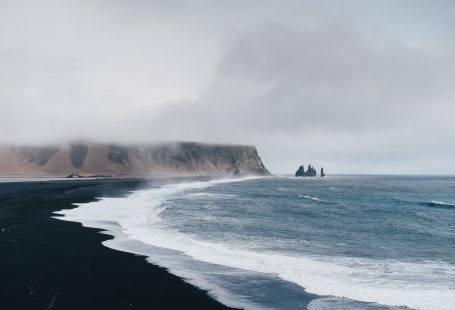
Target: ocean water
x: 340, y: 242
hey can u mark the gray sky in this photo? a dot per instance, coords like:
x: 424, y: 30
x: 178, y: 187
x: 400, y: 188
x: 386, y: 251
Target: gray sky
x: 355, y: 86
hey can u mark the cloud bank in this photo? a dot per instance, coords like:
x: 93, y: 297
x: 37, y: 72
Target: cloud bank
x: 353, y: 88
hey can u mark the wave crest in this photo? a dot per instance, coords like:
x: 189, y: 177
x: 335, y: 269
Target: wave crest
x: 440, y: 204
x: 316, y: 199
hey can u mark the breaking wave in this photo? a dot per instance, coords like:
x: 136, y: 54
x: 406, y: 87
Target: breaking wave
x: 440, y: 204
x: 420, y: 285
x: 316, y: 199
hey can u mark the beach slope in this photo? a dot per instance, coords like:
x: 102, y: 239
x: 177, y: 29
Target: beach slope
x: 50, y: 264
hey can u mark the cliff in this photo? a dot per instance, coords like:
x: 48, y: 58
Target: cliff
x: 95, y: 159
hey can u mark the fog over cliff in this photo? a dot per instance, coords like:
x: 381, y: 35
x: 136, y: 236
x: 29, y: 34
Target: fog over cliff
x: 354, y: 86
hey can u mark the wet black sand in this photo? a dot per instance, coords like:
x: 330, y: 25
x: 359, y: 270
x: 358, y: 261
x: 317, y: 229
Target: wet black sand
x: 51, y: 264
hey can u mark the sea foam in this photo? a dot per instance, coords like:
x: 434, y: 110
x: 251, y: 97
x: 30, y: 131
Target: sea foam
x: 440, y: 204
x: 419, y: 285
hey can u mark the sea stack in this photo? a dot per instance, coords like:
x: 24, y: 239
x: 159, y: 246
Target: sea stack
x: 300, y: 172
x: 311, y: 172
x: 322, y: 172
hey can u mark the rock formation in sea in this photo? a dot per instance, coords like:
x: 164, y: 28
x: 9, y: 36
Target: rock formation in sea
x: 116, y: 160
x: 300, y: 172
x: 322, y: 172
x: 311, y: 171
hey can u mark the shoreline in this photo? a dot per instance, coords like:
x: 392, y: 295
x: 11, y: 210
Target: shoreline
x: 142, y: 178
x: 49, y: 263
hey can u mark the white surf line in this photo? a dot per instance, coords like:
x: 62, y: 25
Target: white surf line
x: 110, y: 213
x: 406, y: 284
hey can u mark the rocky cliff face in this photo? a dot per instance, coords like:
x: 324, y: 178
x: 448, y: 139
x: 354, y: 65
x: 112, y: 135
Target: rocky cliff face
x: 93, y: 159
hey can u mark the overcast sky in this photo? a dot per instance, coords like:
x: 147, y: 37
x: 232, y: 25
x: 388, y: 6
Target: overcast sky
x: 355, y: 86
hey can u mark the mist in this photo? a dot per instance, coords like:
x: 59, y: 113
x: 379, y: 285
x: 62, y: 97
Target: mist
x: 353, y: 87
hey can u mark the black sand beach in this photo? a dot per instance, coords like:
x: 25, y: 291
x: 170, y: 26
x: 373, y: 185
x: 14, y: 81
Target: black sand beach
x: 50, y: 264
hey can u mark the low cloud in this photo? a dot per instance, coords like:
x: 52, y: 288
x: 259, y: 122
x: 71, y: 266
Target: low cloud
x: 328, y: 94
x: 351, y: 98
